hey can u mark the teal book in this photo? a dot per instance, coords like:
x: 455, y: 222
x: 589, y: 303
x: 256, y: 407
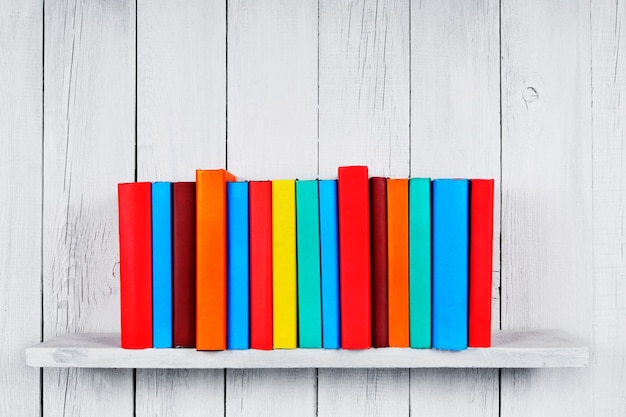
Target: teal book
x: 419, y: 263
x: 161, y: 264
x: 308, y: 255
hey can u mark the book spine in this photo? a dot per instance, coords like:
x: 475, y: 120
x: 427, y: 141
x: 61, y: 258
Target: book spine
x: 184, y: 263
x: 329, y: 252
x: 450, y: 264
x: 135, y: 230
x: 419, y: 262
x: 398, y: 260
x: 238, y: 267
x: 308, y: 262
x: 284, y: 264
x: 481, y: 253
x: 378, y: 224
x: 162, y: 264
x: 211, y: 258
x: 354, y: 257
x: 261, y: 322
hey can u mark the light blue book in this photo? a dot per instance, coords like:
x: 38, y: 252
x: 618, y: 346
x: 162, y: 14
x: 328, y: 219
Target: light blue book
x: 329, y: 240
x: 162, y: 264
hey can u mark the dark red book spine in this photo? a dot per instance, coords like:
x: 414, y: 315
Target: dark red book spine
x: 184, y: 263
x: 135, y: 228
x: 354, y: 257
x: 480, y: 254
x: 261, y: 290
x: 378, y: 225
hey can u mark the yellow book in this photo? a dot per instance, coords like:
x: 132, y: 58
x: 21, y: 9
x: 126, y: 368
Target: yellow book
x: 284, y: 263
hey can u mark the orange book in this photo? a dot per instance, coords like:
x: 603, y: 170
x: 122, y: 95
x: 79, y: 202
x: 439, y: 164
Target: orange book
x: 211, y: 258
x: 398, y: 261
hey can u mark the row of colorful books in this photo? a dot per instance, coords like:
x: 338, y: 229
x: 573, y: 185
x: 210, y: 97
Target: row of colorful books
x: 351, y: 263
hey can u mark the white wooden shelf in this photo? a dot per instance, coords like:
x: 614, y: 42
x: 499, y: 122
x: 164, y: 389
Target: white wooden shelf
x: 511, y: 349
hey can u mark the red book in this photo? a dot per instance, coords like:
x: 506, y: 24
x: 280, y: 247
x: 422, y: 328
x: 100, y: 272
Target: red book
x: 480, y: 254
x: 260, y: 230
x: 378, y: 224
x: 135, y: 227
x: 354, y: 257
x: 184, y: 263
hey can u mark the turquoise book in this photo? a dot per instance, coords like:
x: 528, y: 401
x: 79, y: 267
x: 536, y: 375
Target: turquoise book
x: 329, y: 248
x: 419, y: 263
x: 238, y: 284
x: 308, y: 257
x: 162, y: 265
x: 450, y: 263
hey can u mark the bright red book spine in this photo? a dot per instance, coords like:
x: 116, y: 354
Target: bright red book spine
x: 261, y: 290
x: 354, y: 257
x: 184, y: 263
x: 378, y: 224
x: 480, y: 254
x: 135, y: 229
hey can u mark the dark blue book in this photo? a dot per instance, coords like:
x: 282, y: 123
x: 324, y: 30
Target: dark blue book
x: 450, y: 206
x: 162, y: 264
x: 238, y: 292
x: 329, y: 249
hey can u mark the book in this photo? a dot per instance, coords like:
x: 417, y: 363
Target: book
x: 285, y: 331
x: 378, y: 225
x: 354, y: 257
x: 184, y: 263
x: 238, y: 332
x: 450, y: 263
x: 480, y: 253
x: 308, y: 262
x: 211, y: 258
x: 419, y: 263
x: 135, y: 232
x: 329, y: 254
x: 398, y: 261
x: 162, y: 264
x: 261, y: 304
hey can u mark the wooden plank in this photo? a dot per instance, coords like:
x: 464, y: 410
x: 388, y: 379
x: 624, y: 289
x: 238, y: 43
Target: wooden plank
x: 455, y: 132
x: 609, y: 189
x: 89, y: 112
x: 546, y: 194
x: 21, y: 89
x: 181, y: 126
x: 364, y: 120
x: 511, y: 349
x: 272, y: 134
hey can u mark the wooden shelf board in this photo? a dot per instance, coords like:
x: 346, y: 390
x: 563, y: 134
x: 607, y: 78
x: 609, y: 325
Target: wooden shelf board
x: 511, y: 349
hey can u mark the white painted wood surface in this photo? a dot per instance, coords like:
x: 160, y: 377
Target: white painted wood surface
x: 89, y: 146
x: 272, y: 134
x: 181, y: 126
x: 363, y: 120
x: 455, y: 132
x: 546, y: 194
x: 21, y: 42
x: 608, y: 31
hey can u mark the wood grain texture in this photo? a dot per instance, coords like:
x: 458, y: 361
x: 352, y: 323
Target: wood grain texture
x: 546, y: 194
x: 21, y: 88
x: 363, y: 120
x: 89, y: 106
x: 609, y: 210
x: 455, y: 132
x: 181, y: 127
x: 272, y: 134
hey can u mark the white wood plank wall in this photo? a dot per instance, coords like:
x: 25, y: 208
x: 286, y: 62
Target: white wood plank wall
x: 93, y: 93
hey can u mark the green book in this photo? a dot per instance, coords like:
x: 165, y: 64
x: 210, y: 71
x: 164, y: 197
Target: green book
x: 309, y: 276
x: 419, y: 263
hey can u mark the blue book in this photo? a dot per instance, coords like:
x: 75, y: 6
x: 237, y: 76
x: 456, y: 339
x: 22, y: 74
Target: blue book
x: 162, y: 264
x: 450, y: 205
x: 329, y: 240
x: 238, y: 292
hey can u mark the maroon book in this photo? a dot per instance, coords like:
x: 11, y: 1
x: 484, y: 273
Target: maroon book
x: 378, y: 243
x: 184, y: 263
